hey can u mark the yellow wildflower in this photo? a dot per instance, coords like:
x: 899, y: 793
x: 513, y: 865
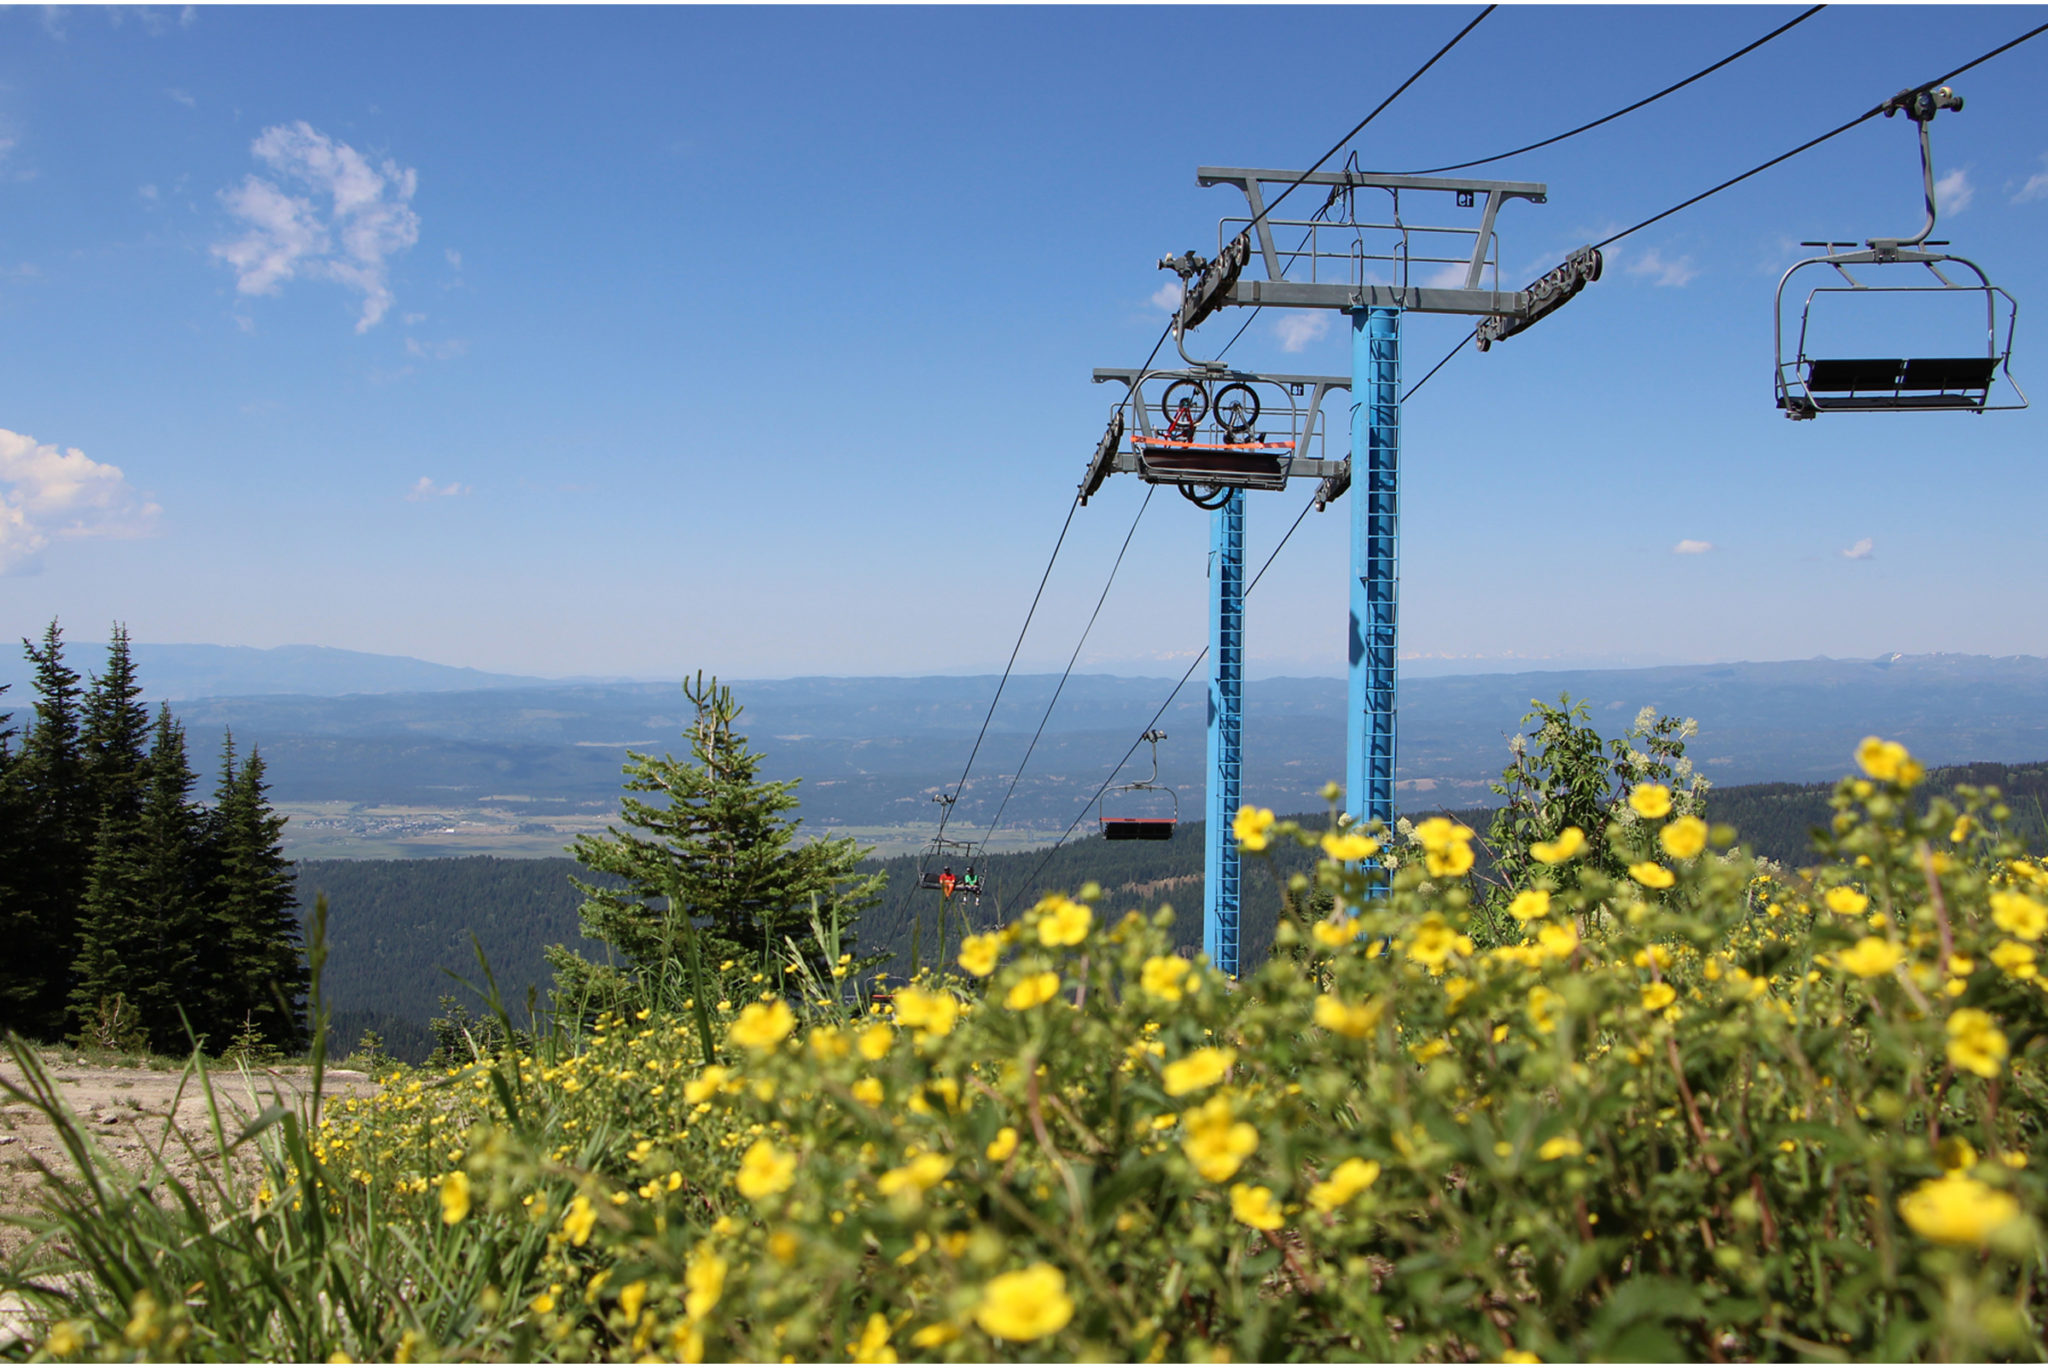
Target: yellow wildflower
x: 867, y: 1092
x: 1031, y: 990
x: 978, y: 954
x: 1026, y: 1305
x: 1568, y: 844
x: 1559, y: 1147
x: 762, y: 1025
x: 2015, y: 959
x: 920, y: 1172
x: 1658, y: 996
x: 1255, y: 1207
x: 1164, y: 976
x: 764, y: 1171
x: 578, y: 1220
x: 932, y: 1014
x: 1847, y: 901
x: 454, y: 1198
x: 1651, y: 801
x: 1531, y: 904
x: 935, y: 1335
x: 827, y: 1043
x: 874, y: 1042
x: 1683, y: 838
x: 1870, y: 957
x: 1975, y: 1043
x: 1351, y: 1177
x: 1544, y: 1006
x: 1203, y: 1069
x: 631, y: 1298
x: 2019, y: 915
x: 1349, y: 846
x: 1650, y: 874
x: 874, y: 1342
x: 1447, y: 852
x: 1217, y: 1143
x: 1062, y: 921
x: 1434, y: 942
x: 1558, y: 942
x: 1003, y: 1146
x: 1955, y: 1210
x: 1355, y: 1020
x: 708, y: 1081
x: 1888, y: 762
x: 1336, y: 932
x: 1253, y: 827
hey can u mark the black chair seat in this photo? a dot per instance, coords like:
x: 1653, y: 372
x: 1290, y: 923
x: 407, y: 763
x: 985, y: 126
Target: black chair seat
x: 1841, y: 377
x: 1878, y: 403
x: 1137, y: 828
x: 1950, y: 373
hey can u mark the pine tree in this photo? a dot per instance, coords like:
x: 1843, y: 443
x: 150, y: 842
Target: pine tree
x: 255, y: 947
x: 721, y: 847
x: 113, y: 932
x: 55, y: 834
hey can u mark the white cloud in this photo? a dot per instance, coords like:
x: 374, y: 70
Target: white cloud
x: 2036, y: 186
x: 182, y: 97
x: 454, y: 258
x: 435, y: 351
x: 1167, y: 296
x: 1862, y: 550
x: 1689, y: 547
x: 348, y: 221
x: 426, y: 489
x: 1953, y: 192
x: 1296, y: 328
x: 47, y: 493
x: 1449, y: 275
x: 1677, y: 272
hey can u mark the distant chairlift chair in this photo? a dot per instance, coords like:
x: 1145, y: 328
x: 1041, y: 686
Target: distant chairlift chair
x: 1153, y: 828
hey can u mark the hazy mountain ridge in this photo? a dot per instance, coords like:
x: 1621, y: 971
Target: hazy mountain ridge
x: 873, y: 750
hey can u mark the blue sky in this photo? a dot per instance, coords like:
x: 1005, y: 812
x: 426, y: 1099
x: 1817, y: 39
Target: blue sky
x: 637, y: 341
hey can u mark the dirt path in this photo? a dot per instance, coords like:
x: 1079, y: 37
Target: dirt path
x: 127, y: 1110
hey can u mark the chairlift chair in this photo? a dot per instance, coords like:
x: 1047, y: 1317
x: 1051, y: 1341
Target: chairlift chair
x: 1153, y: 828
x: 1809, y: 385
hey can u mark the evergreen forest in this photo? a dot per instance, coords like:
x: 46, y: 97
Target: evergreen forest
x: 135, y: 916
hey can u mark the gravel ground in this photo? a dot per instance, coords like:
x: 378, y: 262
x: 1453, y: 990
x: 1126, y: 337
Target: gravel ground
x: 130, y: 1113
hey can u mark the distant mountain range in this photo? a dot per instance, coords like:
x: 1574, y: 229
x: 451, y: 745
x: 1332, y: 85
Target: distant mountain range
x: 873, y: 751
x: 175, y: 672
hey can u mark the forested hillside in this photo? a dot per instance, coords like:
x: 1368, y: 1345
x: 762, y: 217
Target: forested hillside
x: 398, y: 927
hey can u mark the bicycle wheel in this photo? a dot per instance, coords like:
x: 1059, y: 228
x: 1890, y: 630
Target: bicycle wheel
x: 1184, y: 404
x: 1237, y: 408
x: 1210, y: 497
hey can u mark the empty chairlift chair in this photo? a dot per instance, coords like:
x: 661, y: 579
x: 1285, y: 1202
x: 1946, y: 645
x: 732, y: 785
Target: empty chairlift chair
x: 1809, y: 385
x: 1132, y: 826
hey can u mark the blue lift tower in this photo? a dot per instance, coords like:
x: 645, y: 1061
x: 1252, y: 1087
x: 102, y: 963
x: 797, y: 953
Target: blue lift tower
x: 1361, y: 255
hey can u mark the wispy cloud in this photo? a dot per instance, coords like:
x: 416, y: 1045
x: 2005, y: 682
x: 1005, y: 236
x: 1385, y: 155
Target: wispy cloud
x: 2036, y: 187
x: 426, y: 489
x: 1297, y: 328
x: 1953, y: 192
x: 347, y: 221
x: 435, y: 351
x: 1671, y: 271
x: 1689, y: 547
x: 1864, y: 549
x: 1167, y: 296
x: 48, y: 493
x: 182, y: 97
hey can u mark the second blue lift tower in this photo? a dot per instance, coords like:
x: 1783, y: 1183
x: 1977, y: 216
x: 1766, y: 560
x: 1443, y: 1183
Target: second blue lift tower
x: 1360, y: 255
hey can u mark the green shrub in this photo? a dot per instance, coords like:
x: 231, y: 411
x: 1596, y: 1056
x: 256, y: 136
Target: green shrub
x: 1692, y: 1111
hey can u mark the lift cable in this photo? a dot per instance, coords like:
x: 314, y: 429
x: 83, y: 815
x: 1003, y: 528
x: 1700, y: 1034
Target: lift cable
x: 1203, y: 654
x: 1338, y: 146
x: 1864, y: 117
x: 1065, y: 674
x: 945, y: 816
x: 1647, y: 100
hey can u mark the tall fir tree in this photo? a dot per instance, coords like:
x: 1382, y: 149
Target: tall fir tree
x: 110, y: 965
x: 722, y: 848
x: 145, y: 925
x: 254, y: 954
x: 54, y: 840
